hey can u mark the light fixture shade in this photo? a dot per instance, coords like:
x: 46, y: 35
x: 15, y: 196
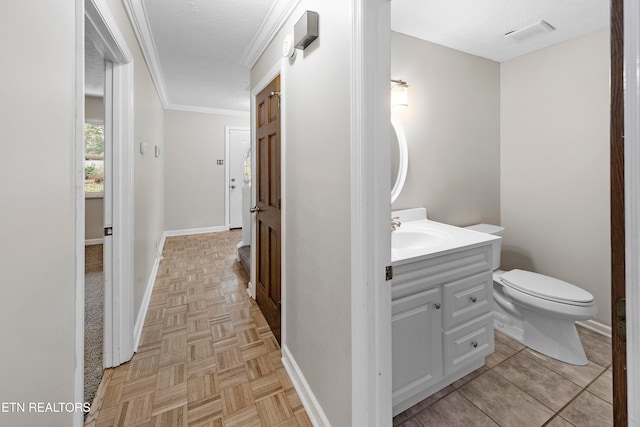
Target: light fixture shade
x: 399, y: 94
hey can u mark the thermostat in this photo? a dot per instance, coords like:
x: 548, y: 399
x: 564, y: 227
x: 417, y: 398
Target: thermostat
x: 288, y: 51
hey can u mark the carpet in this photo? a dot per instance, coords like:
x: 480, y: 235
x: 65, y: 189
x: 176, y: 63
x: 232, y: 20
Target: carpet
x: 245, y: 258
x: 93, y: 320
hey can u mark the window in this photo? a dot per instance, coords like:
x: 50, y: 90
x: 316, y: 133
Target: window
x: 93, y: 157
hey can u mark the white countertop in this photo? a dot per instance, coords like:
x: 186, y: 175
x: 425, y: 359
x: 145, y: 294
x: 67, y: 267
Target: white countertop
x: 440, y: 239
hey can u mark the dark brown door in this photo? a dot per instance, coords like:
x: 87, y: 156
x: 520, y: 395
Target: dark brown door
x: 617, y: 217
x: 268, y: 204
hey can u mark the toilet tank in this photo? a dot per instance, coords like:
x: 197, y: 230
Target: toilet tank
x: 495, y: 230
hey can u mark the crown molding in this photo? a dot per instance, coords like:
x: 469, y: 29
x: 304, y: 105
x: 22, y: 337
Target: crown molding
x: 138, y: 17
x: 280, y: 11
x: 205, y: 110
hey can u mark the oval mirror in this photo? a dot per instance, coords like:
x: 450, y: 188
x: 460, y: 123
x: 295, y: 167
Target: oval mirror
x: 399, y: 159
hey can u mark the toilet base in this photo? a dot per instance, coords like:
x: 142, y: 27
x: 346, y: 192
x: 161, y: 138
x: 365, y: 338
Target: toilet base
x: 554, y: 337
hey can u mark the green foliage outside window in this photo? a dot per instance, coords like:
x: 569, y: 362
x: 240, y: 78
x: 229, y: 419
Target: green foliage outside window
x: 94, y: 158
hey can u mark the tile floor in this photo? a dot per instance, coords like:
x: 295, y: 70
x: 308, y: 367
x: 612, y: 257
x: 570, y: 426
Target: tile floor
x: 519, y: 387
x: 207, y: 356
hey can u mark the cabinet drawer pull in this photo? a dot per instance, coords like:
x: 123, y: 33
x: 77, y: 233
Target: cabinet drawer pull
x: 473, y: 299
x: 474, y: 344
x: 437, y: 306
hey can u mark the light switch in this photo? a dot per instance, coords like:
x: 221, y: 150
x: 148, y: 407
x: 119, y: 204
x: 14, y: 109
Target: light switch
x: 157, y: 151
x: 143, y: 148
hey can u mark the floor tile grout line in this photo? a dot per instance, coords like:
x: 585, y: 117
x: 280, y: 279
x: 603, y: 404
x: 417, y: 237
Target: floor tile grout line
x: 563, y: 375
x: 555, y: 413
x: 582, y: 389
x: 479, y: 409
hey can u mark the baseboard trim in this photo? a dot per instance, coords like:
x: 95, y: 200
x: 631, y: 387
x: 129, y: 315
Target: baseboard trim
x: 308, y: 399
x: 90, y: 242
x: 190, y: 231
x: 251, y: 290
x: 144, y: 306
x: 598, y: 327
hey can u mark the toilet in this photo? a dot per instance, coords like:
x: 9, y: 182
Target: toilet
x: 537, y: 310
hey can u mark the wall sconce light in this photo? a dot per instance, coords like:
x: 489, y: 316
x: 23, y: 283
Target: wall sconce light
x: 399, y: 93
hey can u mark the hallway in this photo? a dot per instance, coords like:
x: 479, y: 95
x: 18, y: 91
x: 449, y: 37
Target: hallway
x: 206, y: 356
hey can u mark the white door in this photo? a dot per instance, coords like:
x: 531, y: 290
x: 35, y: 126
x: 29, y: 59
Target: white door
x: 238, y: 145
x: 108, y: 325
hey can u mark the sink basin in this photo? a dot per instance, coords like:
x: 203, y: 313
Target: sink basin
x: 416, y: 239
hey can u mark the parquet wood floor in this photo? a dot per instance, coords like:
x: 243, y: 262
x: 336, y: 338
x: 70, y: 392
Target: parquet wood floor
x: 206, y: 356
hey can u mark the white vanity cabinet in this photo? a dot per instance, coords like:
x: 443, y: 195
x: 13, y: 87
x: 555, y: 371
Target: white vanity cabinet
x: 442, y: 324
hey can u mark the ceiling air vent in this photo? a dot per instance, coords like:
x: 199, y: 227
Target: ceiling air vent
x: 531, y: 31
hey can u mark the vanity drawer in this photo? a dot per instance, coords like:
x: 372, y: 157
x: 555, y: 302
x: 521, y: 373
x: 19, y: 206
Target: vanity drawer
x: 467, y: 298
x: 466, y: 344
x: 410, y: 278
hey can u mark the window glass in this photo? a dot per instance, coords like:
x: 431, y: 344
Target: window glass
x: 94, y: 157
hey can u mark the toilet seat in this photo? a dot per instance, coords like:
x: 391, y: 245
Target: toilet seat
x: 547, y: 288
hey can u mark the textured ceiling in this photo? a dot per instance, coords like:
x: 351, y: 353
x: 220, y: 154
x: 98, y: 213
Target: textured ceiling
x: 478, y: 26
x: 199, y: 44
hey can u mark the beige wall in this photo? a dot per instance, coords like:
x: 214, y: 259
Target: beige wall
x: 555, y: 164
x: 93, y: 218
x: 316, y: 204
x: 194, y: 183
x: 452, y: 126
x: 37, y: 198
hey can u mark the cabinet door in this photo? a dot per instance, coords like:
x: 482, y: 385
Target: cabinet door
x: 417, y: 343
x: 468, y: 343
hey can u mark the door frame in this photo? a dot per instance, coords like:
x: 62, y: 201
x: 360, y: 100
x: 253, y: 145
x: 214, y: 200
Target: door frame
x: 119, y: 302
x: 370, y: 213
x: 227, y: 170
x: 277, y: 69
x: 119, y: 321
x: 631, y: 20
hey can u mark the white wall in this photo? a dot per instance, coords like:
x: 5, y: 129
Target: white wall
x: 316, y: 204
x: 194, y: 183
x: 37, y: 207
x: 452, y: 126
x: 555, y: 164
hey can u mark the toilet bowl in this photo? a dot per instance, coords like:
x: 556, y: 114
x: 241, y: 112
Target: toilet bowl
x: 537, y: 310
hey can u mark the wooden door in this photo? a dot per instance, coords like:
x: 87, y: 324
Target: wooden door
x: 268, y: 204
x: 618, y: 291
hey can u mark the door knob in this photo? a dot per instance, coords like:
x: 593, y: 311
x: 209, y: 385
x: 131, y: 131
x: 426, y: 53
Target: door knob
x: 255, y: 209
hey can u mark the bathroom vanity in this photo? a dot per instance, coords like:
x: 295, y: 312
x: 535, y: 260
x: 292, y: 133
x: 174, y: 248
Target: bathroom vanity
x: 442, y: 303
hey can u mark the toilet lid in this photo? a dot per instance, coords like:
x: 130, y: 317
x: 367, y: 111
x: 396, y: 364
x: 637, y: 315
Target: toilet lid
x: 546, y: 287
